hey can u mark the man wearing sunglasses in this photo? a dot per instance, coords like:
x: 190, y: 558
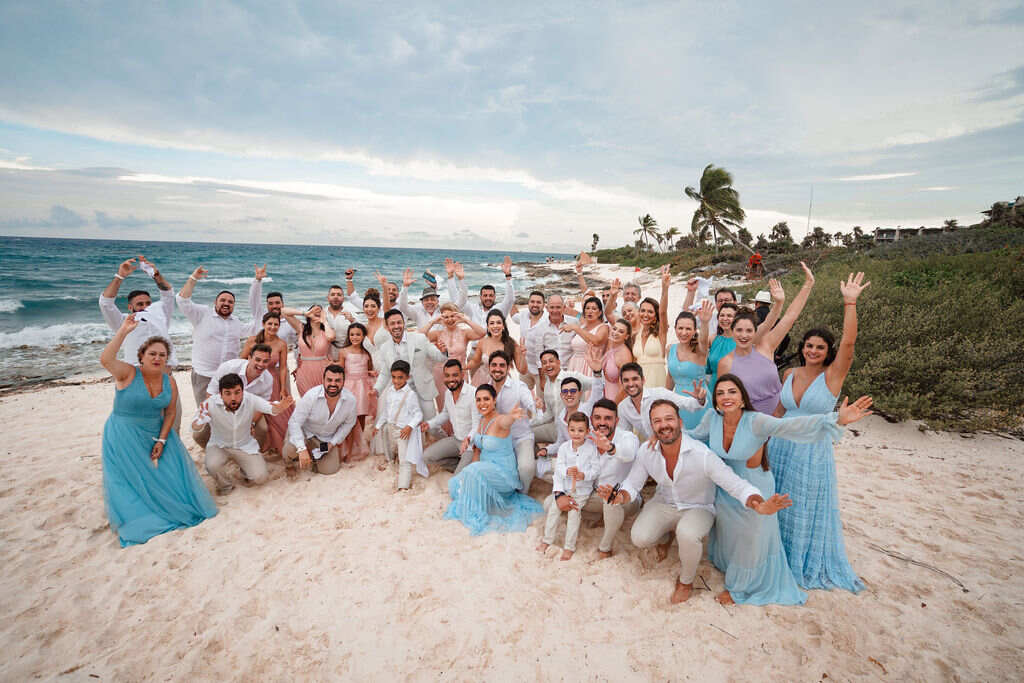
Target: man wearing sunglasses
x: 549, y: 401
x: 571, y: 393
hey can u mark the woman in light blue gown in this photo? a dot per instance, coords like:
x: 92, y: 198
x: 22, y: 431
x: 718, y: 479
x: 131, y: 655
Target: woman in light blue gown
x: 812, y: 530
x: 484, y: 495
x: 744, y: 545
x: 687, y: 358
x: 723, y: 344
x: 150, y: 483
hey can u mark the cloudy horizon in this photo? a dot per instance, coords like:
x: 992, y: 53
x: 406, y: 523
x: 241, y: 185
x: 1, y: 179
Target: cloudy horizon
x: 484, y: 127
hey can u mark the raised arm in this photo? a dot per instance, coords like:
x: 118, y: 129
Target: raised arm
x: 772, y: 338
x: 666, y: 279
x: 706, y: 312
x: 461, y: 294
x: 193, y: 311
x: 613, y: 301
x: 778, y: 299
x: 256, y: 303
x: 121, y: 371
x: 505, y: 305
x: 836, y: 373
x: 108, y: 305
x: 580, y: 279
x: 476, y: 331
x: 691, y: 293
x: 403, y: 294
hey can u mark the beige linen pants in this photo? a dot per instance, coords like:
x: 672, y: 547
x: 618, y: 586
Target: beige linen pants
x: 328, y: 464
x: 259, y: 430
x: 655, y: 524
x: 572, y: 521
x: 252, y: 465
x: 388, y: 443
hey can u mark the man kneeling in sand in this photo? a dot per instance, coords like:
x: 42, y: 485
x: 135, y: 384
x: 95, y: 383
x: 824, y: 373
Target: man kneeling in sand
x: 228, y: 418
x: 322, y: 419
x: 684, y: 501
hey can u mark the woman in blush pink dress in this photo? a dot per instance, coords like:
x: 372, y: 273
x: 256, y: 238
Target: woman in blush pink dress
x: 456, y: 330
x: 497, y: 339
x: 358, y: 365
x: 591, y: 333
x: 620, y: 341
x: 315, y: 340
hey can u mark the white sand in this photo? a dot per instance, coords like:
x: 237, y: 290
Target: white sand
x: 324, y: 577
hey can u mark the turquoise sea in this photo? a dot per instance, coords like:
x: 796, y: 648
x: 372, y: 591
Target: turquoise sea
x: 50, y: 323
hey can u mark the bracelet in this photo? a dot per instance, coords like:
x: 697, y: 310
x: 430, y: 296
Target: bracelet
x: 559, y: 494
x: 853, y: 304
x: 119, y: 276
x: 192, y: 277
x: 163, y: 441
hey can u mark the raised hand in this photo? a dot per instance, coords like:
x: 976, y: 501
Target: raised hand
x: 260, y: 273
x: 699, y: 392
x: 616, y: 286
x: 776, y: 290
x: 692, y: 284
x: 666, y: 276
x: 808, y: 275
x: 126, y: 267
x: 707, y: 311
x: 382, y: 280
x: 282, y: 405
x: 601, y: 442
x: 449, y: 268
x: 199, y: 273
x: 129, y: 323
x: 852, y: 287
x: 348, y: 316
x: 779, y: 501
x: 407, y: 277
x: 851, y: 412
x: 460, y: 272
x: 579, y: 267
x: 506, y: 266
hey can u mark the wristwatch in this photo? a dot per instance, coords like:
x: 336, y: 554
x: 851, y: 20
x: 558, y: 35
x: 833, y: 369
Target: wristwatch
x: 559, y: 494
x: 611, y: 450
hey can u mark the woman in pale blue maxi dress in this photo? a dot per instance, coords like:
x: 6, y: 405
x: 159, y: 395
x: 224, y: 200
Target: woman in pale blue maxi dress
x: 150, y: 483
x: 812, y: 530
x: 744, y: 545
x: 484, y: 494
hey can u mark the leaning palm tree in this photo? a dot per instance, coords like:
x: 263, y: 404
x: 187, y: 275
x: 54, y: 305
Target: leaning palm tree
x: 718, y: 205
x: 951, y: 224
x: 648, y: 229
x: 670, y: 237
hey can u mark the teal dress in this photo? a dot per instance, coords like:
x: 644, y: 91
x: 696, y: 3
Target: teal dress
x: 812, y: 530
x: 744, y: 545
x: 684, y: 374
x: 484, y: 494
x: 720, y: 348
x: 144, y: 500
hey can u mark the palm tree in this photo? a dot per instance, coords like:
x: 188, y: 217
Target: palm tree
x: 670, y: 236
x: 718, y: 205
x: 951, y: 224
x: 648, y: 229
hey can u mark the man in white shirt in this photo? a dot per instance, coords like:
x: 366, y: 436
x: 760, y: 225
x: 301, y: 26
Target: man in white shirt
x: 459, y: 406
x: 634, y: 409
x: 256, y: 380
x: 227, y: 418
x: 336, y: 316
x: 536, y: 335
x: 617, y: 450
x: 416, y: 350
x: 550, y: 402
x: 556, y: 316
x: 396, y: 432
x: 684, y: 502
x: 512, y: 391
x: 424, y: 311
x: 275, y: 303
x: 216, y: 333
x: 322, y: 419
x: 477, y: 310
x: 154, y: 319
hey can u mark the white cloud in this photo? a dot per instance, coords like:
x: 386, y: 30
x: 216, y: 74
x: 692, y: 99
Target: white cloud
x: 875, y: 176
x: 937, y: 188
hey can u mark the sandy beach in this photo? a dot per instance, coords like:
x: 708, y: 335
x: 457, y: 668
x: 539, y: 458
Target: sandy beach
x: 323, y: 577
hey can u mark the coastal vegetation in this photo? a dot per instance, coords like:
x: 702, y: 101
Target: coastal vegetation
x: 938, y: 340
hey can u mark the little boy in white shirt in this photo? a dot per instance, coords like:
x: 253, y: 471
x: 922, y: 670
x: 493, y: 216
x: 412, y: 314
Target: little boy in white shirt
x: 396, y: 433
x: 573, y: 479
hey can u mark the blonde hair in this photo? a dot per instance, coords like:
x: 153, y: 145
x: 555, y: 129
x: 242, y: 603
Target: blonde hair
x: 449, y: 306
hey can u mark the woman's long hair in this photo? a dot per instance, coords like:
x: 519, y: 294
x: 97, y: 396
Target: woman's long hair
x: 261, y: 336
x: 695, y: 339
x: 307, y: 327
x: 655, y: 326
x: 507, y: 344
x: 829, y: 340
x: 628, y: 341
x: 348, y: 338
x: 747, y: 406
x: 591, y: 300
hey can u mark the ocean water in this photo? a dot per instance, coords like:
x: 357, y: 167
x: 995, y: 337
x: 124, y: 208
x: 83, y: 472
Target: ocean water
x: 50, y: 322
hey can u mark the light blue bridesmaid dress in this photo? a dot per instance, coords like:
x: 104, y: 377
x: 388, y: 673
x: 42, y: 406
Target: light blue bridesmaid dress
x: 144, y: 501
x: 812, y: 531
x: 484, y: 495
x: 684, y: 374
x: 719, y: 349
x: 743, y: 544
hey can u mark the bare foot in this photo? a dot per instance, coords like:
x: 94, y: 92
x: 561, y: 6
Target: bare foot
x: 662, y: 549
x: 542, y: 547
x: 725, y: 598
x: 382, y: 464
x: 566, y: 555
x: 602, y: 555
x: 681, y: 593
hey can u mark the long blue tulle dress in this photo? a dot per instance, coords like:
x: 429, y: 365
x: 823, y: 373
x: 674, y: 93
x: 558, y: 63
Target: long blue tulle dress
x: 484, y: 495
x: 684, y: 374
x: 744, y: 545
x: 812, y: 531
x: 144, y: 501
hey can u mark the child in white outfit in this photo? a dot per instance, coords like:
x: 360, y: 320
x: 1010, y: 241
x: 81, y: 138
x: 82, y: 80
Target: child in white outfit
x: 573, y: 479
x: 396, y: 433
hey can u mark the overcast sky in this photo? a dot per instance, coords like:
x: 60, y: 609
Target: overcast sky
x: 513, y: 124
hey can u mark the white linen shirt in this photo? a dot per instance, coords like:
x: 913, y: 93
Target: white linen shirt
x: 476, y: 312
x: 216, y: 339
x: 513, y: 391
x: 585, y: 407
x: 417, y: 312
x: 585, y: 459
x: 401, y: 407
x: 458, y: 413
x: 312, y: 418
x: 615, y: 468
x: 262, y: 386
x: 692, y: 484
x: 564, y: 341
x: 234, y: 430
x: 156, y: 324
x: 553, y: 395
x: 538, y: 336
x: 640, y: 422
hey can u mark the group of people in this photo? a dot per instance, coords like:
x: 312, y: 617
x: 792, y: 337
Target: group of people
x: 589, y: 396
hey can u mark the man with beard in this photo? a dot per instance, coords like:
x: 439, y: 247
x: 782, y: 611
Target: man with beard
x: 275, y: 302
x: 477, y: 310
x: 536, y: 333
x: 458, y: 411
x: 617, y: 449
x: 549, y: 404
x: 216, y: 333
x: 335, y: 314
x: 510, y: 392
x: 634, y: 409
x: 416, y: 350
x: 322, y: 419
x: 227, y: 419
x: 686, y: 472
x: 256, y: 380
